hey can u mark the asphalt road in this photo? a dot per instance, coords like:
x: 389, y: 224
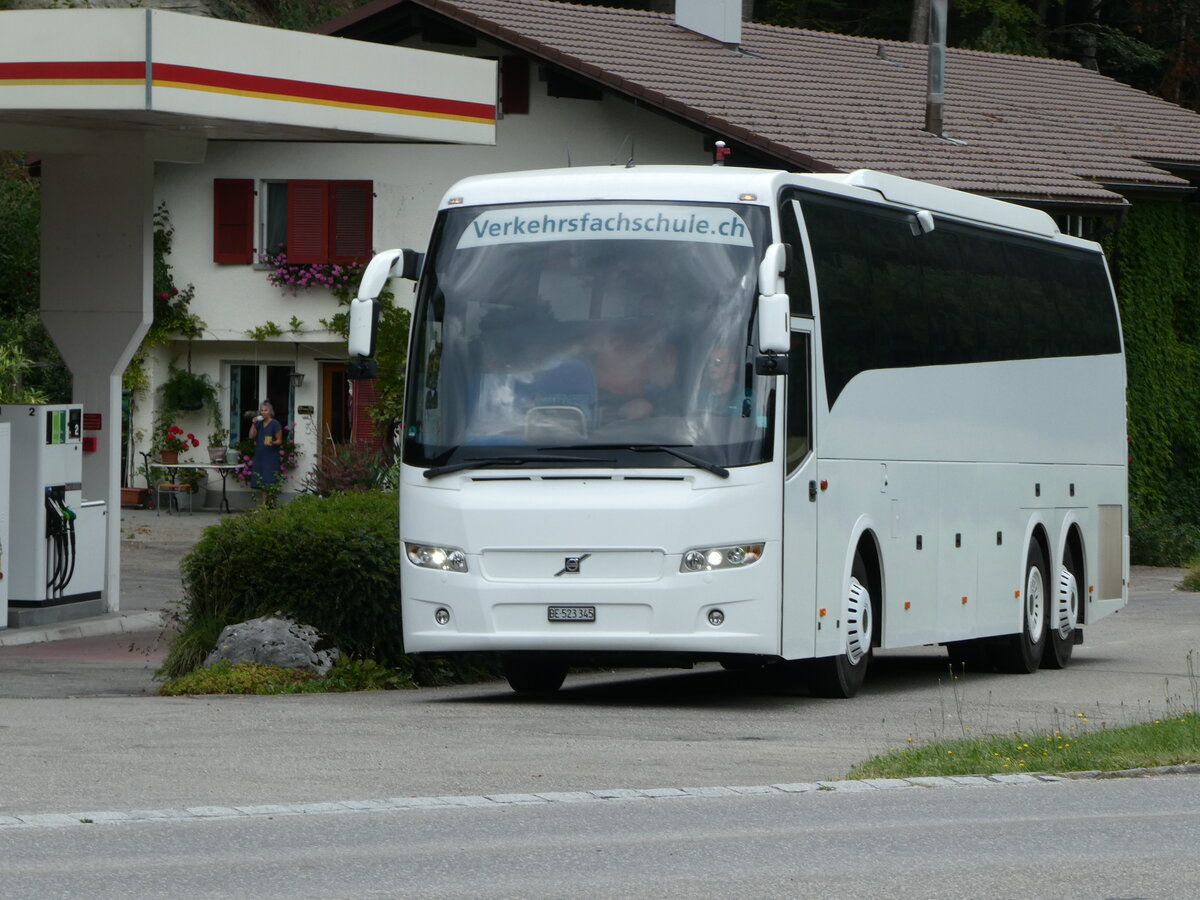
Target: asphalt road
x: 84, y: 736
x: 1099, y: 839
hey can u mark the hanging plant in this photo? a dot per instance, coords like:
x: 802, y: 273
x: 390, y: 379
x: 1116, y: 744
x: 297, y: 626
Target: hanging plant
x: 187, y: 391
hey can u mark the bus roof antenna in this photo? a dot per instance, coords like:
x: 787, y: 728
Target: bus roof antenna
x: 629, y: 162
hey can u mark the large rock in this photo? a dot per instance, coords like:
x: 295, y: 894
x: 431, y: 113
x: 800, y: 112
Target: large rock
x: 275, y: 641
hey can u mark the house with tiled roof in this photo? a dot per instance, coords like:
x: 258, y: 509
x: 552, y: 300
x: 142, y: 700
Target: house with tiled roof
x: 587, y: 85
x: 1039, y: 131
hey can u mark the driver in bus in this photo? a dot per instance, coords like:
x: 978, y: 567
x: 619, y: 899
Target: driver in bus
x: 634, y: 369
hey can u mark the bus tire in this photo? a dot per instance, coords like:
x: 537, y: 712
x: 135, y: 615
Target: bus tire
x: 531, y: 675
x: 1023, y: 651
x: 843, y: 675
x: 1060, y: 640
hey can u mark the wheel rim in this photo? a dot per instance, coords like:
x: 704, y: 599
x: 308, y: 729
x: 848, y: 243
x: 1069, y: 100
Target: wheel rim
x: 1034, y: 605
x: 1067, y: 607
x: 858, y: 622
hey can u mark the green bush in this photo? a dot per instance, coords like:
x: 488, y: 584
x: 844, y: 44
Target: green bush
x: 330, y: 562
x: 1160, y: 539
x: 1191, y: 579
x: 349, y: 467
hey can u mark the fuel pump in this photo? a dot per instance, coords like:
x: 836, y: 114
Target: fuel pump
x: 5, y: 432
x: 60, y: 539
x: 55, y: 555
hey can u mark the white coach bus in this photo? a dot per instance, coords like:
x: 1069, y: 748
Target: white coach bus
x: 661, y: 415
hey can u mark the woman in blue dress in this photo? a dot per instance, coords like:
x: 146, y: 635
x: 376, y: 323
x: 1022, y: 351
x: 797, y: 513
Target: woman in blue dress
x: 268, y: 440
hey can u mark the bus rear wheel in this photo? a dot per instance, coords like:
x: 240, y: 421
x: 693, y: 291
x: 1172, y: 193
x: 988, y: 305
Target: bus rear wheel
x: 531, y: 675
x: 1060, y: 640
x: 1022, y: 653
x: 843, y: 675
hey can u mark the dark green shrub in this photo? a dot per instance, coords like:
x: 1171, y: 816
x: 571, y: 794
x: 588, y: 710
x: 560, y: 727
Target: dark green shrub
x: 1160, y: 539
x: 348, y: 467
x: 330, y: 562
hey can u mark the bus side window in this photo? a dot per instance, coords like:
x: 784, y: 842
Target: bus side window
x: 799, y: 407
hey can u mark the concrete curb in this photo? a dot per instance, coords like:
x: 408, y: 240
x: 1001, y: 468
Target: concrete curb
x: 395, y: 804
x: 100, y: 626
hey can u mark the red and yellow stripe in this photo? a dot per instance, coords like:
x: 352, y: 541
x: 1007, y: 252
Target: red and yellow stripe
x: 240, y: 84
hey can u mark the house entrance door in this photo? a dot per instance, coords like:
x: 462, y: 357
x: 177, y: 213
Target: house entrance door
x: 335, y: 406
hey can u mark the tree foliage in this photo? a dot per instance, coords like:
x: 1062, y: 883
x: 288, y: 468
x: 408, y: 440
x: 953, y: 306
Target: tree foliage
x: 32, y: 369
x: 1154, y: 260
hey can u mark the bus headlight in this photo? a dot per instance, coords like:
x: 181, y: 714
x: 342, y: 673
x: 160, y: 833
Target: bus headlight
x: 705, y: 559
x: 448, y: 559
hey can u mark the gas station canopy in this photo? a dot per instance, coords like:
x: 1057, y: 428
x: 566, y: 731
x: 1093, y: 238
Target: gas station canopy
x: 104, y: 94
x: 175, y: 75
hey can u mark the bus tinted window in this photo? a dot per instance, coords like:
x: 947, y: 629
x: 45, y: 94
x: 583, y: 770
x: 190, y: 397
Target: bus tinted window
x: 890, y: 298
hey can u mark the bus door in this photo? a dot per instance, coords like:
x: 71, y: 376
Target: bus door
x: 800, y: 490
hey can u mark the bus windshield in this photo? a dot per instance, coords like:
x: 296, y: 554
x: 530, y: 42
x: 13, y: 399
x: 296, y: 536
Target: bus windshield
x: 618, y: 331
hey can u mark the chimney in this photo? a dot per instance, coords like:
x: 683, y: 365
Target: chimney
x: 720, y: 20
x: 935, y: 96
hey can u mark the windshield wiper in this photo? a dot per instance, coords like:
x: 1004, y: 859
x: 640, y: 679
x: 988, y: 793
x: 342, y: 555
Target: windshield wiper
x: 484, y: 462
x: 676, y: 450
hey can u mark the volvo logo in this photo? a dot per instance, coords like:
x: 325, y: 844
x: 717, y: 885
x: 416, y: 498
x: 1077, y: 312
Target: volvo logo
x: 571, y: 565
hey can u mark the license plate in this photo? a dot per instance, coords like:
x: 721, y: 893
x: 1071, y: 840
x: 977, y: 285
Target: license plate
x: 571, y: 613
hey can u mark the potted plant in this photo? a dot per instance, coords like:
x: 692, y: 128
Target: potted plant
x: 170, y: 441
x: 218, y: 444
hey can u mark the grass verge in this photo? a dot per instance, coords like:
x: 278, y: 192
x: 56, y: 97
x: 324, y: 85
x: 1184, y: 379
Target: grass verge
x: 1167, y: 741
x: 256, y: 678
x: 1172, y: 738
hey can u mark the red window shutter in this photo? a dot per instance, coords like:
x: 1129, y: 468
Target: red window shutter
x: 233, y: 220
x: 308, y: 222
x: 362, y: 429
x: 514, y: 85
x: 350, y: 221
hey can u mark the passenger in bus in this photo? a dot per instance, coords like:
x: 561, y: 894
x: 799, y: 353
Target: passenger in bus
x: 720, y: 386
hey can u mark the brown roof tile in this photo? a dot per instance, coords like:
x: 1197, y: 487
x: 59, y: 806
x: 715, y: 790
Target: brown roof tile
x: 1022, y: 127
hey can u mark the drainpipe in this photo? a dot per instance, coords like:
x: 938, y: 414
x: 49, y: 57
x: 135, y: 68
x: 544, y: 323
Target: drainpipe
x: 935, y: 96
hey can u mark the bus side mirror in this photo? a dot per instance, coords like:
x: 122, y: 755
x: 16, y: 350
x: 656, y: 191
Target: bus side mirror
x: 364, y: 321
x: 774, y: 324
x: 773, y: 268
x: 385, y: 265
x: 364, y: 309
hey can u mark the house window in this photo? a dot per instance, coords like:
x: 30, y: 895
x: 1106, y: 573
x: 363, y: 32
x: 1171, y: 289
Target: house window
x: 249, y: 385
x: 317, y: 221
x: 312, y: 221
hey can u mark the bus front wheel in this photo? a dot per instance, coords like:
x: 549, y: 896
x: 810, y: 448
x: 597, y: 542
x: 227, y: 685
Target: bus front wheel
x: 531, y: 675
x: 841, y: 676
x: 1024, y: 650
